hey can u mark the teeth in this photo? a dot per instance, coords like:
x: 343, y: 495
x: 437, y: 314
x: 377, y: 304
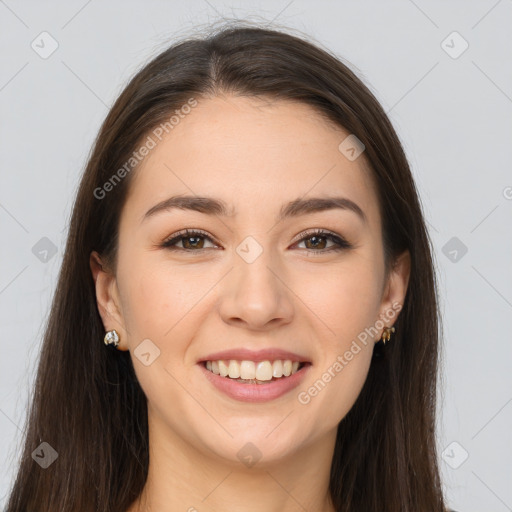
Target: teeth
x: 253, y: 371
x: 234, y: 370
x: 277, y: 369
x: 264, y: 370
x: 247, y: 370
x: 223, y: 369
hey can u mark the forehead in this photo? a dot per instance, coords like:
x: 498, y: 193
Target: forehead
x: 254, y: 154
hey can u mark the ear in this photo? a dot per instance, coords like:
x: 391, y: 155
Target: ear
x: 395, y: 290
x: 107, y: 299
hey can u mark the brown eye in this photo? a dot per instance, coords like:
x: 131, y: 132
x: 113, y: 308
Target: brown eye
x: 191, y: 240
x: 196, y: 244
x: 316, y: 241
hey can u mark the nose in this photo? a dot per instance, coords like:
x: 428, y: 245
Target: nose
x: 255, y: 295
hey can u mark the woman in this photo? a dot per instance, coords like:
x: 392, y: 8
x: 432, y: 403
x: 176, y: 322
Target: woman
x: 248, y: 242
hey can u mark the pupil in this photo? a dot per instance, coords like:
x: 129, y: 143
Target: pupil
x: 317, y: 238
x: 196, y: 238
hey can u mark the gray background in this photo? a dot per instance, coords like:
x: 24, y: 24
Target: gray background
x: 452, y: 110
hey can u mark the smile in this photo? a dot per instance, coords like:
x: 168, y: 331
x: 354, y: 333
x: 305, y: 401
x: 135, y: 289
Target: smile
x: 251, y: 381
x: 254, y: 372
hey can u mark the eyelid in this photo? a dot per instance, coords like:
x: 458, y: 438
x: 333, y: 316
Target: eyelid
x: 339, y: 241
x: 316, y: 231
x: 189, y: 232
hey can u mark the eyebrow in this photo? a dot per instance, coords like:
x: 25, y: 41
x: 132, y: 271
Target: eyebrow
x: 295, y: 208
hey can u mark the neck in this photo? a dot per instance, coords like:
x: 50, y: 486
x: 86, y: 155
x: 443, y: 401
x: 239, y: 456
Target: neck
x: 181, y: 477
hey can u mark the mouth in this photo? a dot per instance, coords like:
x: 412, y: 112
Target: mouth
x: 254, y: 381
x: 254, y: 372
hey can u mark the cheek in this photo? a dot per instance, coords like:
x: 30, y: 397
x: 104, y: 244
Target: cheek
x: 344, y: 298
x: 165, y: 302
x: 347, y: 305
x: 158, y: 305
x: 155, y: 296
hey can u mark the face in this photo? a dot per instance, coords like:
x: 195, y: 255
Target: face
x: 272, y: 275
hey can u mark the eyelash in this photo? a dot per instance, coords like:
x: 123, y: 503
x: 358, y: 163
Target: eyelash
x: 341, y: 243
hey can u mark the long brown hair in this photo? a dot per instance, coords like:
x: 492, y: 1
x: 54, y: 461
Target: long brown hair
x: 87, y: 403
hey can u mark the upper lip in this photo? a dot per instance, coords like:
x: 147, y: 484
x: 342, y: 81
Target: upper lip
x: 243, y: 354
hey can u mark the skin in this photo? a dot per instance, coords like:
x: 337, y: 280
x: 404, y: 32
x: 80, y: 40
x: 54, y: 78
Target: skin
x: 255, y: 155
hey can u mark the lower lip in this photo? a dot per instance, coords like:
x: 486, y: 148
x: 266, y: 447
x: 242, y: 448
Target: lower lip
x: 256, y: 392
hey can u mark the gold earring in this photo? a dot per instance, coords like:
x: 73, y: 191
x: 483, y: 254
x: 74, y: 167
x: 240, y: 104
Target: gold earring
x: 386, y: 334
x: 111, y: 338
